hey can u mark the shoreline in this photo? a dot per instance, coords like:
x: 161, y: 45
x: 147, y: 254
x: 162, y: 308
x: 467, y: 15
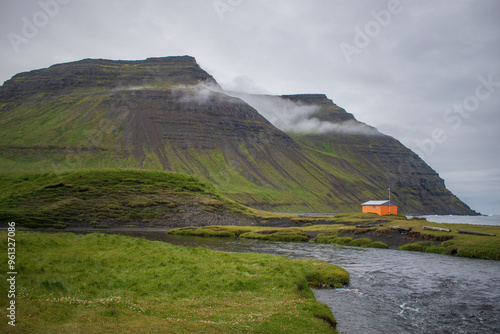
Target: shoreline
x: 401, y: 234
x: 95, y: 282
x: 347, y: 229
x: 409, y: 235
x: 394, y: 239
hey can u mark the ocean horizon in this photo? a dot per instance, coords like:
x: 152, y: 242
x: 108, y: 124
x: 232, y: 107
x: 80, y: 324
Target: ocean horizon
x: 473, y: 220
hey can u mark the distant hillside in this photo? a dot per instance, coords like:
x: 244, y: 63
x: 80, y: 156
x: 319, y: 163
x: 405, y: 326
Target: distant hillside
x: 168, y: 114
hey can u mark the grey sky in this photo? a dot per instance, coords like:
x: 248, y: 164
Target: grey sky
x: 416, y: 70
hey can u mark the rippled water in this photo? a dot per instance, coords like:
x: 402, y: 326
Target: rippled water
x: 390, y: 291
x: 407, y: 292
x: 473, y: 220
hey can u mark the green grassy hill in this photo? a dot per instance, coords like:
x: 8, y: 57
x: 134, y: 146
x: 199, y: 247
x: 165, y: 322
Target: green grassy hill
x: 114, y: 198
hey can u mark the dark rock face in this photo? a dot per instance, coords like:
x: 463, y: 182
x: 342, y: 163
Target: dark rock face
x: 161, y: 119
x: 95, y: 73
x: 169, y: 114
x: 328, y: 111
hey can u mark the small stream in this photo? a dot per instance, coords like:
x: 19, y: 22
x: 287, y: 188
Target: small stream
x: 390, y: 291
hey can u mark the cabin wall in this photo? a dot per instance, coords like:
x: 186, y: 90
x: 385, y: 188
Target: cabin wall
x: 388, y: 210
x: 381, y: 210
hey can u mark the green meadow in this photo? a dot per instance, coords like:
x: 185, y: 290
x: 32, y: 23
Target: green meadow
x: 99, y: 283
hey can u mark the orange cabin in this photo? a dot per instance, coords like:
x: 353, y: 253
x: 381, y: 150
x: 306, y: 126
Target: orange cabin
x: 382, y: 208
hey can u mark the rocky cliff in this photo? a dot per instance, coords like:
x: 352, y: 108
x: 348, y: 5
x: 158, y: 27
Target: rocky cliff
x: 379, y: 158
x: 169, y: 114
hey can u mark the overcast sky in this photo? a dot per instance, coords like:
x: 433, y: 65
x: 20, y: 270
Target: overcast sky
x: 424, y: 72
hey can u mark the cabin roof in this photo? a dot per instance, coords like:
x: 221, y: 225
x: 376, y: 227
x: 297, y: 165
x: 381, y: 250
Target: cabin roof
x: 382, y: 202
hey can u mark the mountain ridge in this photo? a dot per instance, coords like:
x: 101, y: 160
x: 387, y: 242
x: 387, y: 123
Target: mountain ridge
x: 169, y: 114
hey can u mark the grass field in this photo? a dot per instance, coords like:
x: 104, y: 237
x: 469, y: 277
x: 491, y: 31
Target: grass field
x: 101, y: 283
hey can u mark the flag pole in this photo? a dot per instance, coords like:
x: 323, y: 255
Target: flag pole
x: 389, y: 189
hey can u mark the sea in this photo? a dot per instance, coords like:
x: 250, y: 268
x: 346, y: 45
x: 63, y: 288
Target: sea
x: 473, y: 220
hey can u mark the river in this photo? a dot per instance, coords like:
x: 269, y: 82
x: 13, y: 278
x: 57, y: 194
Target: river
x: 390, y: 291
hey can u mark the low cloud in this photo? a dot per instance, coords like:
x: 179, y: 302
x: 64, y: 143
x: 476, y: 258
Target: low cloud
x: 199, y: 94
x: 122, y: 88
x: 315, y: 125
x: 287, y: 115
x: 297, y: 117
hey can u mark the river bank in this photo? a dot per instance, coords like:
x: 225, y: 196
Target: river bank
x: 389, y: 291
x: 348, y: 229
x: 99, y: 282
x: 402, y: 290
x: 362, y: 230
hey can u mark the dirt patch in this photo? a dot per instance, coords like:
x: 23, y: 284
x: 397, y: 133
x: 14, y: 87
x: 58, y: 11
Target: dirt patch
x: 393, y: 239
x: 429, y: 237
x: 267, y: 231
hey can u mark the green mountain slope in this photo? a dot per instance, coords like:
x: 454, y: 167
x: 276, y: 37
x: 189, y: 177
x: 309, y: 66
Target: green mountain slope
x: 169, y: 114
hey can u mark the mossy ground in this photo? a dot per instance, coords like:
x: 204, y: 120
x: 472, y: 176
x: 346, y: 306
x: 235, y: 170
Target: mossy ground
x: 451, y: 243
x: 465, y: 245
x: 109, y: 283
x: 357, y: 229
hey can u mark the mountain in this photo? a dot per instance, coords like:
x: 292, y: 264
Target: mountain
x: 379, y: 158
x: 169, y: 114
